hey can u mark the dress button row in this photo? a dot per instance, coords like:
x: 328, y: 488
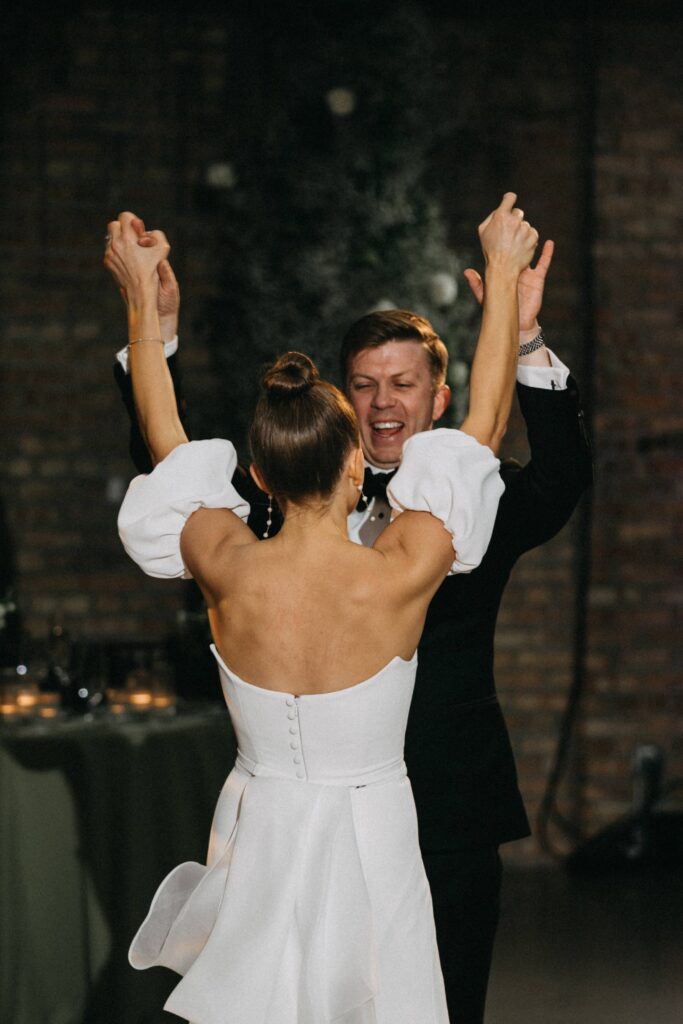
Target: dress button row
x: 294, y: 743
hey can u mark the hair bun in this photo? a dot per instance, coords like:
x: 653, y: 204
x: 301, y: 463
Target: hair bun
x: 290, y: 375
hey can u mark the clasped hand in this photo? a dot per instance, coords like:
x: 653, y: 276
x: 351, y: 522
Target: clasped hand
x: 137, y: 260
x: 531, y: 282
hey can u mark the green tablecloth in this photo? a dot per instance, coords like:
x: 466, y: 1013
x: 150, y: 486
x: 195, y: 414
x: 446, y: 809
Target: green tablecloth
x: 94, y: 814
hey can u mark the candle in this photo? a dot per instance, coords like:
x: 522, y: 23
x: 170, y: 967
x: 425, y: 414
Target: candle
x: 142, y: 698
x: 163, y: 700
x: 48, y: 712
x: 27, y: 699
x: 18, y: 696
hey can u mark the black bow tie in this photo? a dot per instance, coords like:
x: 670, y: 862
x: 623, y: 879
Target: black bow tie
x: 374, y: 486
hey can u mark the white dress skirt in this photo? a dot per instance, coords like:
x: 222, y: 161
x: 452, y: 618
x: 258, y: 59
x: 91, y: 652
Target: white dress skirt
x: 313, y: 906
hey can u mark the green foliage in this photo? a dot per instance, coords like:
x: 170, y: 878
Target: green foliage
x: 330, y: 213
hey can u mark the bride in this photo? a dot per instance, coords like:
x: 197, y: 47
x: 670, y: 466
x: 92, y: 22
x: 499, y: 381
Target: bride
x: 313, y: 906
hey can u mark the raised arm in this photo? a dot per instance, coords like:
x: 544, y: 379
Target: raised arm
x: 446, y: 472
x: 135, y: 268
x: 530, y: 289
x: 508, y: 243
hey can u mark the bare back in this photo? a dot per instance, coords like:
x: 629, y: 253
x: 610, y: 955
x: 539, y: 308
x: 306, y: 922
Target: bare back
x: 321, y: 613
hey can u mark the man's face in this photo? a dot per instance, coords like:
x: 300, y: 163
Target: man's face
x: 392, y: 390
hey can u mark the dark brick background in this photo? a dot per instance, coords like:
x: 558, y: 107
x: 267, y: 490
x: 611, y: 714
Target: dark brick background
x: 110, y: 109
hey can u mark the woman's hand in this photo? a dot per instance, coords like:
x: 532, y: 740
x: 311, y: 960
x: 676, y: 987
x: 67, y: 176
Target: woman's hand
x: 136, y: 259
x: 507, y: 240
x: 508, y: 243
x: 133, y: 258
x: 168, y: 295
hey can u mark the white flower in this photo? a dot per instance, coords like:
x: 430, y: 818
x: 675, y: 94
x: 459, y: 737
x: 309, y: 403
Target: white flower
x: 341, y: 102
x: 5, y: 608
x: 459, y: 373
x: 382, y: 306
x: 221, y: 176
x: 115, y: 489
x: 443, y: 289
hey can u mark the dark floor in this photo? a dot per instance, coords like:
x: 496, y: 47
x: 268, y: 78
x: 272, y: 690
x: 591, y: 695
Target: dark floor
x: 604, y: 949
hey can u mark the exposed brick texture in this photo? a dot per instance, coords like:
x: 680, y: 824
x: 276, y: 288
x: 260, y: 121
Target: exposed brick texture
x: 635, y: 667
x: 112, y: 109
x: 520, y: 133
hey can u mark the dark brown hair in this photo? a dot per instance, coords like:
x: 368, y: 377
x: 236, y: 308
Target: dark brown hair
x: 377, y: 329
x: 302, y: 431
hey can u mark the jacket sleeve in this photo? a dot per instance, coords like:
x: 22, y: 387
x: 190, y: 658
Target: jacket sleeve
x: 136, y: 445
x: 540, y: 497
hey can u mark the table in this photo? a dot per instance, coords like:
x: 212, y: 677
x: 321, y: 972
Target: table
x: 94, y: 814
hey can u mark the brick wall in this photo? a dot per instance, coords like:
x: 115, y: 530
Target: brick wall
x: 634, y: 655
x: 524, y: 128
x: 522, y: 101
x: 120, y: 110
x: 107, y: 110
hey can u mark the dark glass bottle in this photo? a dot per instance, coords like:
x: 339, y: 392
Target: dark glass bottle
x: 10, y: 630
x: 60, y: 676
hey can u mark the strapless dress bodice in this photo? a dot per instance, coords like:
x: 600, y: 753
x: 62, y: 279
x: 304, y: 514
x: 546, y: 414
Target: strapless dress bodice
x: 313, y: 906
x: 348, y: 737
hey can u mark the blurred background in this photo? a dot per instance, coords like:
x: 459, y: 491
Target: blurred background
x: 309, y: 163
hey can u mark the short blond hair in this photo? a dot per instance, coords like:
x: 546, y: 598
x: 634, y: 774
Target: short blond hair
x: 376, y: 329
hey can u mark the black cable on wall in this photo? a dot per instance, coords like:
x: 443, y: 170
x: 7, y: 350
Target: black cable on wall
x: 587, y: 59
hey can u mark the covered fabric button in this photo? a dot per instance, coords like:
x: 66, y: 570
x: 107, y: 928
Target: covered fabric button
x: 297, y: 759
x: 293, y: 729
x: 294, y: 744
x: 301, y: 775
x: 291, y: 714
x: 290, y: 702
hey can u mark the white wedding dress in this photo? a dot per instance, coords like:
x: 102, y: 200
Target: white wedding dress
x: 313, y: 907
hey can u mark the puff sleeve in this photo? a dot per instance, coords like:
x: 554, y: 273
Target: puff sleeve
x: 451, y: 475
x: 157, y: 506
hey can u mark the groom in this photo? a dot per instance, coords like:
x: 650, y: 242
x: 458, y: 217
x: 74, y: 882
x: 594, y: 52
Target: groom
x: 458, y: 753
x: 457, y: 748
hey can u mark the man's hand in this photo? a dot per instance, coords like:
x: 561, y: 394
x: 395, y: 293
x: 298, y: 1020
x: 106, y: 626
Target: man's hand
x: 529, y: 288
x: 168, y: 302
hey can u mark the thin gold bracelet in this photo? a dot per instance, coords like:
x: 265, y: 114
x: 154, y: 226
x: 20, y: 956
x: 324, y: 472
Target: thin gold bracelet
x: 136, y: 341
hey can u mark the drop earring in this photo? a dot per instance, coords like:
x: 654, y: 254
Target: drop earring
x: 364, y: 498
x: 269, y: 520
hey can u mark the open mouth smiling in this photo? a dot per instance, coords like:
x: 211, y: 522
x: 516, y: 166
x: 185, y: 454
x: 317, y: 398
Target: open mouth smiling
x: 387, y: 428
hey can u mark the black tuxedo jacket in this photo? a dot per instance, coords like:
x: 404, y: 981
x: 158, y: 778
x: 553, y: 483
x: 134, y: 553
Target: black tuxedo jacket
x: 457, y: 748
x: 458, y: 751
